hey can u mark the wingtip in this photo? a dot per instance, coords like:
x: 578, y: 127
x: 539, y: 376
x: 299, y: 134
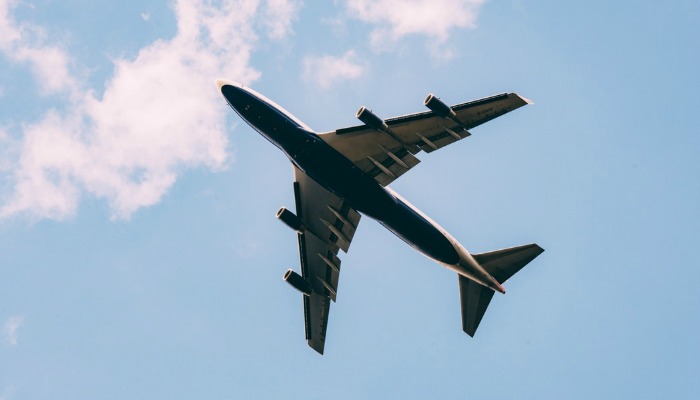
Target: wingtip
x: 318, y: 349
x: 526, y: 100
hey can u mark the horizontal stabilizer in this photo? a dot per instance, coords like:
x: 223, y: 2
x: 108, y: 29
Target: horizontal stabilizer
x: 475, y: 297
x: 501, y: 264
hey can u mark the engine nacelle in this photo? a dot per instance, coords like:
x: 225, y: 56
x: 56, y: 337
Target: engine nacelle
x: 371, y: 120
x: 438, y: 107
x: 290, y: 219
x: 297, y: 282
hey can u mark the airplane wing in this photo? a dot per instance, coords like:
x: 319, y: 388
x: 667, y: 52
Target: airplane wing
x: 388, y: 152
x: 330, y: 225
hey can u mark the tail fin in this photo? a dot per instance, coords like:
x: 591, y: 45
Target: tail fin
x: 501, y: 264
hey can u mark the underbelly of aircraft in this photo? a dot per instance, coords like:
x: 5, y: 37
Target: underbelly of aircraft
x: 340, y: 176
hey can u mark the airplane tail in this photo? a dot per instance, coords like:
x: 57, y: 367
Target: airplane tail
x: 501, y: 264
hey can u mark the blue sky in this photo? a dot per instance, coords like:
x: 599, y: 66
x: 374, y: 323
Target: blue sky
x: 140, y: 256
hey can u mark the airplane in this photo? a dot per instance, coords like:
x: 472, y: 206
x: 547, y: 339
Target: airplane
x: 343, y: 174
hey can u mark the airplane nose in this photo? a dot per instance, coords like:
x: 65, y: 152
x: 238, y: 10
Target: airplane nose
x: 235, y: 94
x: 225, y: 82
x: 220, y: 83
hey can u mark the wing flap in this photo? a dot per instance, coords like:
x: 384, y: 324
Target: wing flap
x: 442, y: 138
x: 388, y: 164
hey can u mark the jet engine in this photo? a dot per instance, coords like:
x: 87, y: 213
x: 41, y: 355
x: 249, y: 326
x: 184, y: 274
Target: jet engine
x: 370, y: 119
x: 438, y: 107
x: 290, y: 219
x: 297, y: 282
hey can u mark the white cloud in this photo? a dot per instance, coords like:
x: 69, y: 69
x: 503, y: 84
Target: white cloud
x: 7, y: 146
x: 9, y: 33
x: 145, y: 16
x: 11, y: 329
x: 327, y: 70
x: 279, y: 16
x: 159, y: 113
x: 395, y: 19
x: 23, y: 43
